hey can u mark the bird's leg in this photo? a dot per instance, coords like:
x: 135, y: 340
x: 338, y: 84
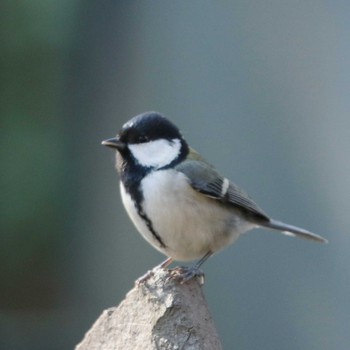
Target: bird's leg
x: 164, y: 264
x: 185, y: 274
x: 150, y: 273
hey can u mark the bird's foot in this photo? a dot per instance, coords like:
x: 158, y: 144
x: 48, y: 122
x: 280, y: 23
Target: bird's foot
x: 145, y: 277
x: 150, y: 273
x: 184, y: 274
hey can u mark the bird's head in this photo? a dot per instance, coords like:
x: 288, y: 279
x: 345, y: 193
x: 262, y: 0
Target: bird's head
x: 149, y: 140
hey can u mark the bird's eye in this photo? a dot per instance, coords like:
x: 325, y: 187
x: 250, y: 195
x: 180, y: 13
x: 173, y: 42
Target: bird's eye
x: 142, y: 139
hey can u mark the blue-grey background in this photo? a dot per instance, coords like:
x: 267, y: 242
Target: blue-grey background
x: 261, y: 88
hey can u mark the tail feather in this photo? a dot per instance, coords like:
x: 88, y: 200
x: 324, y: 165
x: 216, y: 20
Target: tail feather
x: 293, y: 231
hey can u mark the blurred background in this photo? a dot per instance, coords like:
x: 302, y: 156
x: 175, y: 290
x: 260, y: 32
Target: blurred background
x: 261, y: 88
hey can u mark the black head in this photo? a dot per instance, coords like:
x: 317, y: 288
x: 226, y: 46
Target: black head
x: 148, y: 126
x: 150, y: 140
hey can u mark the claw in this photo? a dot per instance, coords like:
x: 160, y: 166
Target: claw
x: 184, y: 274
x: 145, y: 277
x: 180, y: 274
x: 150, y: 273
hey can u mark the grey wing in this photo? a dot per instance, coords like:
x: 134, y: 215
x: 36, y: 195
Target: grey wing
x: 206, y: 180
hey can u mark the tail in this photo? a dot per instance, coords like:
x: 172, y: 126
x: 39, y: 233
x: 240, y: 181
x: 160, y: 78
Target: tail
x: 293, y: 231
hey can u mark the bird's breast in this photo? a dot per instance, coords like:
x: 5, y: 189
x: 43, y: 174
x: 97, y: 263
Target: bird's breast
x: 189, y: 223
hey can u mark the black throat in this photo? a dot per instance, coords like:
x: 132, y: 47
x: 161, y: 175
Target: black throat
x: 132, y: 174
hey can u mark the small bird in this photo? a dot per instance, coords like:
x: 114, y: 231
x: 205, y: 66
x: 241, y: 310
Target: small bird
x: 179, y: 202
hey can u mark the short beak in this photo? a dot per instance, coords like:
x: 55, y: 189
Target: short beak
x: 114, y: 143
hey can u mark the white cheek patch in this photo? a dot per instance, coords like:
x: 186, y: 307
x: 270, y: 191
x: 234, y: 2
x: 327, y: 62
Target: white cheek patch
x: 157, y: 153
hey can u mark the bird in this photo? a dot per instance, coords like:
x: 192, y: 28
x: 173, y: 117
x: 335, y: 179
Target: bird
x: 177, y: 200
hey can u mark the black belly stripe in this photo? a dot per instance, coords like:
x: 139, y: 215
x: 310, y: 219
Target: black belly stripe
x: 131, y: 176
x: 149, y: 225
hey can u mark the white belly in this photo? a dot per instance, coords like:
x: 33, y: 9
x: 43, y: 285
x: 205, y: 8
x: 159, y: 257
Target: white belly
x: 189, y: 223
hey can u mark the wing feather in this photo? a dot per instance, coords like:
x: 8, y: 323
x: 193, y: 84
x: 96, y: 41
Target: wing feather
x: 206, y: 180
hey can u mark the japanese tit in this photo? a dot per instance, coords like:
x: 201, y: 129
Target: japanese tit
x: 178, y: 202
